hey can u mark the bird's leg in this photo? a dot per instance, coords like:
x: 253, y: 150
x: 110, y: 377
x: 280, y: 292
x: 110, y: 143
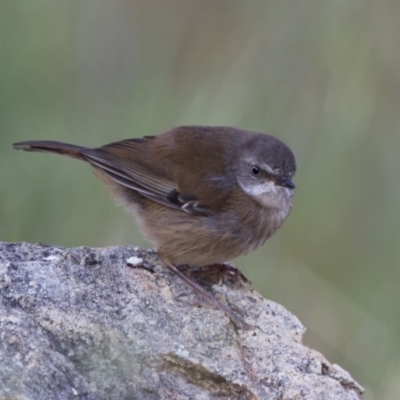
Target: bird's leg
x: 209, y: 298
x: 221, y: 269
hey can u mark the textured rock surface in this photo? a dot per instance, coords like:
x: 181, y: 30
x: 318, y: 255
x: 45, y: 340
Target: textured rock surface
x: 114, y: 324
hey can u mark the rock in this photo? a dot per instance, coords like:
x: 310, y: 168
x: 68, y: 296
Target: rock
x: 113, y: 323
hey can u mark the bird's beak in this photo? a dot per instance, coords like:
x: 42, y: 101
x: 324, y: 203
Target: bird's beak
x: 285, y: 182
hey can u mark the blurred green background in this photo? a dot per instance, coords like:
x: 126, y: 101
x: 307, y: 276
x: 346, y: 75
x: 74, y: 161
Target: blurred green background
x: 322, y: 75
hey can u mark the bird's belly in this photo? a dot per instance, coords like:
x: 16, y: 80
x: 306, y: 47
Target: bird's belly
x: 200, y: 241
x: 182, y: 238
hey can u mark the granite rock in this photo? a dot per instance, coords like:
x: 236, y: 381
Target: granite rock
x: 113, y: 323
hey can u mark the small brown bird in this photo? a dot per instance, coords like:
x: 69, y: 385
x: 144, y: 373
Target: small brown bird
x: 202, y: 195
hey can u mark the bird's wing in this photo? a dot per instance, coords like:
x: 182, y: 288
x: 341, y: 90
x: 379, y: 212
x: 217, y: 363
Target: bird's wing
x: 133, y: 176
x: 134, y: 171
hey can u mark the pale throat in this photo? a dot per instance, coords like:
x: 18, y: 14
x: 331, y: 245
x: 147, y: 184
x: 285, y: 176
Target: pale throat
x: 268, y: 194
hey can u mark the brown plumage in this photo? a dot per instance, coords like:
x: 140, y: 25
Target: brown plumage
x: 201, y: 195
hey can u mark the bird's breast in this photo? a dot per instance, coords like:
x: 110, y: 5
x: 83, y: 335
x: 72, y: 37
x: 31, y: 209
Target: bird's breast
x: 259, y: 223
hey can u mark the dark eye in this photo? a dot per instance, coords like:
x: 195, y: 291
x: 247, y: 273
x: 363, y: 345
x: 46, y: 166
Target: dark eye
x: 255, y: 170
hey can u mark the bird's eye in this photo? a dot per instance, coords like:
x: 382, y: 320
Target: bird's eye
x: 255, y: 170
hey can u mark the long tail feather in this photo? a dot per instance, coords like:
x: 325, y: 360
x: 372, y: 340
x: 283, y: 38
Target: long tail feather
x: 48, y: 146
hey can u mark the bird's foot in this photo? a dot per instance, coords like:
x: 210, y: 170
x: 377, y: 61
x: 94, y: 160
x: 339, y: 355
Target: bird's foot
x: 226, y: 271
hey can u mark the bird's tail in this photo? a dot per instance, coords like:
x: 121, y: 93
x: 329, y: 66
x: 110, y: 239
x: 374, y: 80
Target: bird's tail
x: 48, y: 146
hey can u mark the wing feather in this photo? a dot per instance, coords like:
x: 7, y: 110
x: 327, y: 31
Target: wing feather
x: 171, y: 170
x: 132, y: 175
x: 137, y: 177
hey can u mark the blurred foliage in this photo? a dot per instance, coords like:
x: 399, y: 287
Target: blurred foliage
x: 322, y: 75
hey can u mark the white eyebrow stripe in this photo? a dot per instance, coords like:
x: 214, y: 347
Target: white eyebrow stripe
x: 267, y: 168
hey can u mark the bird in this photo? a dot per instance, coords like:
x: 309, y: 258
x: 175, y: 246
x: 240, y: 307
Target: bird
x: 202, y: 195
